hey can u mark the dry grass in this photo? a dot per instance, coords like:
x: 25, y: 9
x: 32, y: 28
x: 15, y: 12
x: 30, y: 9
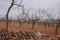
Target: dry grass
x: 16, y: 27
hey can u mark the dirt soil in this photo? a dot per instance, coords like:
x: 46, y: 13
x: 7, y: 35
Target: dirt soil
x: 16, y: 27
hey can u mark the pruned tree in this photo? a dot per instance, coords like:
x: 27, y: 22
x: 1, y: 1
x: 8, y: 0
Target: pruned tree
x: 3, y: 19
x: 19, y: 20
x: 54, y: 22
x: 46, y: 22
x: 40, y: 17
x: 33, y: 23
x: 57, y: 25
x: 12, y: 3
x: 34, y: 20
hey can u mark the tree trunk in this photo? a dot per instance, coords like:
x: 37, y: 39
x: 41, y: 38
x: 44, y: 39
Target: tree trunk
x: 56, y: 28
x: 33, y: 24
x: 20, y: 24
x: 8, y: 14
x: 45, y: 25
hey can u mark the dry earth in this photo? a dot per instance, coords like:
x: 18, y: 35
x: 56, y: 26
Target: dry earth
x: 16, y: 27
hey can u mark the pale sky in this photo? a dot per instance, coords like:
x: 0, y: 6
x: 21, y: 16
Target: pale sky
x: 53, y: 6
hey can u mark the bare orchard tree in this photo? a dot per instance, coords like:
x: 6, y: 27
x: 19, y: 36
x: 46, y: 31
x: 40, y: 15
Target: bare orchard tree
x: 20, y: 22
x: 40, y: 17
x: 46, y: 22
x: 27, y: 16
x: 12, y: 4
x: 34, y: 20
x: 19, y: 18
x: 8, y: 14
x: 3, y: 19
x: 57, y: 23
x: 54, y: 22
x: 45, y: 13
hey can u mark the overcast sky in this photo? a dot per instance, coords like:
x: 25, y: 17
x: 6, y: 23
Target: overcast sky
x: 52, y: 5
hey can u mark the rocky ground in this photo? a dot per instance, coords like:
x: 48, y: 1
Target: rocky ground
x: 22, y: 35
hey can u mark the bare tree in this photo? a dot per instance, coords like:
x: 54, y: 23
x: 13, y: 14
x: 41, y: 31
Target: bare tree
x: 12, y: 3
x: 46, y: 22
x: 34, y: 20
x: 19, y: 20
x: 57, y: 23
x: 54, y: 22
x: 8, y: 14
